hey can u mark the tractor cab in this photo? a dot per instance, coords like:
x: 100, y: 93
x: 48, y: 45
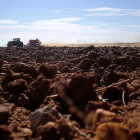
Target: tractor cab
x: 16, y: 39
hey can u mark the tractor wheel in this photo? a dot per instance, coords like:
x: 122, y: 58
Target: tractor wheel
x: 20, y: 44
x: 9, y: 45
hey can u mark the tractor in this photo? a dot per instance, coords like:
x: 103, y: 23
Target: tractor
x: 16, y: 42
x: 34, y: 43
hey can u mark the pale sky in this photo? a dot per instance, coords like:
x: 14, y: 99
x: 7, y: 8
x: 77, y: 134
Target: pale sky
x: 79, y: 21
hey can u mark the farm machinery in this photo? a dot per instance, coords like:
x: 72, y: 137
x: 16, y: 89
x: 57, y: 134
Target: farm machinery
x: 16, y: 42
x: 34, y: 43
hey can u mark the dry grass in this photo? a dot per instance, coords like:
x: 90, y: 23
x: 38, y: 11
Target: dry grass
x: 136, y: 44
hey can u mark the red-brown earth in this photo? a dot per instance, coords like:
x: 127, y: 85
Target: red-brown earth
x: 64, y: 93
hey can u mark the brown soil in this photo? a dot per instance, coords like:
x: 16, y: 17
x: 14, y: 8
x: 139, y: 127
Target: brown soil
x: 64, y: 93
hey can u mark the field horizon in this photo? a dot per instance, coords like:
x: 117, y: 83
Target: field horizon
x: 135, y: 44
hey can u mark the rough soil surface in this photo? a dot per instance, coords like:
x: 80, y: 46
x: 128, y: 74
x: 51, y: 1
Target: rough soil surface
x: 69, y: 93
